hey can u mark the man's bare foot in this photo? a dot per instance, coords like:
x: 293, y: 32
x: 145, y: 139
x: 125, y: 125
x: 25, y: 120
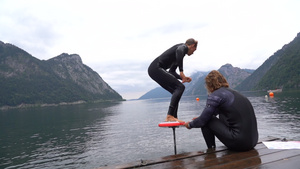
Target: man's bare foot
x: 172, y: 118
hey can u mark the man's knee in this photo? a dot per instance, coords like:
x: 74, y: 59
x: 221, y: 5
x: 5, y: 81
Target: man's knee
x: 181, y: 88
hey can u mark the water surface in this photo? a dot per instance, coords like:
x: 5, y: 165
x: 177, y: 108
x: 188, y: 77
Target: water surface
x: 95, y: 135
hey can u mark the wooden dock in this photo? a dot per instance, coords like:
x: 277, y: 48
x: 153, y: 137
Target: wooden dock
x: 221, y: 157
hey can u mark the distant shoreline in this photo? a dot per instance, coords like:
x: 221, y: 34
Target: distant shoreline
x: 20, y: 106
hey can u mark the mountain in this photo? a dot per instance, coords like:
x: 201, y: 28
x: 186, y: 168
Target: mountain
x: 196, y: 85
x: 234, y: 76
x: 281, y: 70
x: 25, y: 79
x: 158, y: 92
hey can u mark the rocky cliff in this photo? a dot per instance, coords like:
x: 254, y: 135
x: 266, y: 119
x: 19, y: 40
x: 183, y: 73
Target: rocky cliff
x: 25, y: 79
x: 281, y: 70
x: 234, y: 75
x: 70, y: 67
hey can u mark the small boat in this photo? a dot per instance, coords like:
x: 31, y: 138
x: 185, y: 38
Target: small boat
x: 275, y: 91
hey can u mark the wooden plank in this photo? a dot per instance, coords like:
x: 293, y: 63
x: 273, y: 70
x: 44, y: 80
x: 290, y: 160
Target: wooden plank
x: 240, y: 160
x: 208, y: 158
x: 286, y: 163
x: 211, y: 159
x: 219, y: 150
x: 164, y: 159
x: 264, y: 159
x: 257, y: 160
x: 275, y: 158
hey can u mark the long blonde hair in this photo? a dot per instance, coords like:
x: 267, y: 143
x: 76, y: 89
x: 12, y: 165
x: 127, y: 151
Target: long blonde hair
x: 215, y: 80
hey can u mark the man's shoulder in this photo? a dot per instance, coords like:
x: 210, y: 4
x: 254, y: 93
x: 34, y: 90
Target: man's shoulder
x: 181, y: 47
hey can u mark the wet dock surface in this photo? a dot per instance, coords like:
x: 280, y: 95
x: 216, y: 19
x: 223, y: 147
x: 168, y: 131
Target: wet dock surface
x: 221, y: 157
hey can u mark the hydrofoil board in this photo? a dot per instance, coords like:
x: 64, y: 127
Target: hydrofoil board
x: 170, y: 124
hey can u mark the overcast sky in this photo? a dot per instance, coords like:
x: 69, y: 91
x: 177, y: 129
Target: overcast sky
x: 120, y: 38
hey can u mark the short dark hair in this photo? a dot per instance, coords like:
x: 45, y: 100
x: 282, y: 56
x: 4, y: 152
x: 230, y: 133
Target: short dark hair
x: 191, y: 41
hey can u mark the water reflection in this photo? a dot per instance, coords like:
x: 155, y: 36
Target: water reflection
x: 48, y: 136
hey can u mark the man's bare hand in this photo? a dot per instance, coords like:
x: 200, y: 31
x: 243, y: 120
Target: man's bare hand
x: 187, y: 125
x: 186, y: 79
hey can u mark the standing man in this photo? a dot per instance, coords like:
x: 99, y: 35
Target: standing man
x: 171, y: 59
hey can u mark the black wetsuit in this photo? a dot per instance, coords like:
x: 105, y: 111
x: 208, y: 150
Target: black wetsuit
x: 170, y: 59
x: 236, y: 126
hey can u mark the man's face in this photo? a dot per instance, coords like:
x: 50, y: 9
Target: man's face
x: 191, y: 50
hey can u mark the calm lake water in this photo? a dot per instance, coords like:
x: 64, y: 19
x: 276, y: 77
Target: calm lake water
x: 97, y: 135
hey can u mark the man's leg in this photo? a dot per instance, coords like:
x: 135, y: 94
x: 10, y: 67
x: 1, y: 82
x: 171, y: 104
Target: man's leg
x: 171, y: 84
x: 209, y: 137
x: 176, y: 96
x: 218, y: 128
x: 176, y: 88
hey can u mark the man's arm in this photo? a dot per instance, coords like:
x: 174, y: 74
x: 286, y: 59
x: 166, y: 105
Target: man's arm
x: 184, y: 78
x: 172, y: 70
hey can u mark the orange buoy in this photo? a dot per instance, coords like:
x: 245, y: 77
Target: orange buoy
x: 197, y: 99
x: 271, y: 94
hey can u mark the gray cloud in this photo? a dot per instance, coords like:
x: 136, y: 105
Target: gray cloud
x: 28, y: 32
